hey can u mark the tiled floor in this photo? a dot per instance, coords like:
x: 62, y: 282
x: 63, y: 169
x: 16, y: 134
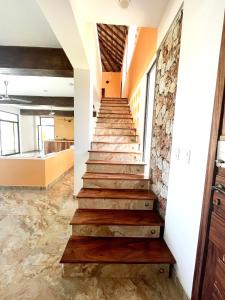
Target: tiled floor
x: 34, y: 228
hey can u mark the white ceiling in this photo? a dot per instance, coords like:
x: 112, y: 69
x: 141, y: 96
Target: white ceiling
x: 37, y: 86
x: 23, y: 24
x: 145, y: 13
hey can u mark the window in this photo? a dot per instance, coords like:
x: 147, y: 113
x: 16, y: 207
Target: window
x: 45, y: 131
x: 9, y: 133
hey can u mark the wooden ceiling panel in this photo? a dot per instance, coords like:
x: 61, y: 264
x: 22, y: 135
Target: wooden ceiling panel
x: 112, y: 39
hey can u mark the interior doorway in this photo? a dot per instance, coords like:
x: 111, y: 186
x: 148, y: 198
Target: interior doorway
x: 149, y: 104
x: 45, y: 131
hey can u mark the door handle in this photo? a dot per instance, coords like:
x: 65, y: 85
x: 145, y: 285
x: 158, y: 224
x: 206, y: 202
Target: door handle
x: 219, y: 188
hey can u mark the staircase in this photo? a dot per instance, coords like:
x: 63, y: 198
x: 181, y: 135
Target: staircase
x: 115, y: 231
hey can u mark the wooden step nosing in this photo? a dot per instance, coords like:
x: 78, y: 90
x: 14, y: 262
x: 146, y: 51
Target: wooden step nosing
x: 121, y: 135
x: 144, y: 195
x: 115, y: 143
x: 113, y: 176
x: 115, y: 152
x: 100, y: 162
x: 121, y: 223
x: 99, y: 117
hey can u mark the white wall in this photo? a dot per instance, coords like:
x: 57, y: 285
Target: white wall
x: 28, y: 133
x: 83, y: 110
x: 9, y: 109
x: 200, y: 44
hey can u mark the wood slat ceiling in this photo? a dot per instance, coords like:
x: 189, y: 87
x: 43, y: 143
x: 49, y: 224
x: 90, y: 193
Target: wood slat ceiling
x: 112, y: 39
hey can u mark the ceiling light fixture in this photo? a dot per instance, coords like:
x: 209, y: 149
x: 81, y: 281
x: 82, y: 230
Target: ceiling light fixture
x: 124, y: 3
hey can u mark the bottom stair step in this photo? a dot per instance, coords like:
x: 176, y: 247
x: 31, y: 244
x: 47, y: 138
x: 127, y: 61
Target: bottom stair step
x: 116, y: 257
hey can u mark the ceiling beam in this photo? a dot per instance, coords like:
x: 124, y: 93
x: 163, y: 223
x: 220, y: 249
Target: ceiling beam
x: 113, y: 63
x: 34, y: 61
x: 35, y: 112
x: 115, y: 57
x: 112, y: 68
x: 103, y: 38
x: 111, y: 38
x: 39, y: 100
x: 108, y: 46
x: 107, y: 58
x: 111, y: 56
x: 111, y: 28
x: 124, y: 33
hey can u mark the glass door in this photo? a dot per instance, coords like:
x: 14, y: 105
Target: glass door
x: 9, y: 134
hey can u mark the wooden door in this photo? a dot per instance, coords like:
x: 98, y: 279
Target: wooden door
x: 209, y: 278
x: 214, y: 279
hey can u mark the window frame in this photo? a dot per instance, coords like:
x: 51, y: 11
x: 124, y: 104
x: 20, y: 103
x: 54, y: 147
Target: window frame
x: 18, y: 133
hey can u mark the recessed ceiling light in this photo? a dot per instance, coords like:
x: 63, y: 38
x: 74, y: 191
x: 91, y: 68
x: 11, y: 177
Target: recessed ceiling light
x: 124, y: 3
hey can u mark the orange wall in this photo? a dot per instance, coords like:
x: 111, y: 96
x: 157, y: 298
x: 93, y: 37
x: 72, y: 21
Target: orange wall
x: 144, y: 52
x: 35, y: 172
x: 64, y: 128
x: 22, y: 172
x: 57, y: 165
x: 113, y: 88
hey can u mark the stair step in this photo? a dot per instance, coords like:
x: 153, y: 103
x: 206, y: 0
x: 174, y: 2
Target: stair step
x: 117, y: 223
x: 116, y: 199
x: 116, y: 131
x: 114, y: 125
x: 114, y: 120
x: 103, y: 146
x: 105, y: 166
x: 125, y: 111
x: 115, y: 116
x: 116, y: 217
x: 114, y: 106
x: 116, y: 138
x: 116, y: 250
x: 115, y: 181
x: 114, y: 155
x: 122, y: 107
x: 116, y: 102
x: 113, y: 99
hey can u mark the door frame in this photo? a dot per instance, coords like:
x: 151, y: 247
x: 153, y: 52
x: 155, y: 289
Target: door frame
x: 203, y: 239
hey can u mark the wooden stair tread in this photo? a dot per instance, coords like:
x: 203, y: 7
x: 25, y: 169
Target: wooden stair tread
x: 113, y: 117
x: 118, y: 142
x: 120, y: 112
x: 117, y: 152
x: 116, y: 250
x: 116, y: 217
x: 109, y: 128
x: 113, y: 98
x: 116, y: 194
x: 113, y: 134
x: 112, y: 162
x: 109, y: 176
x: 114, y: 105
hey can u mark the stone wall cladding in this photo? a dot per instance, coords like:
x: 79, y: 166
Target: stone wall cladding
x: 163, y: 114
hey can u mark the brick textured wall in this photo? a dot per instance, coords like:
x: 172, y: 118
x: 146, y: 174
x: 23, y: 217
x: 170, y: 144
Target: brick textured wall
x: 163, y: 114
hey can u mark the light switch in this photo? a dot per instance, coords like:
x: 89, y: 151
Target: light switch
x: 178, y: 153
x: 188, y: 157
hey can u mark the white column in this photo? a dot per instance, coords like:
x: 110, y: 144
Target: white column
x: 83, y: 111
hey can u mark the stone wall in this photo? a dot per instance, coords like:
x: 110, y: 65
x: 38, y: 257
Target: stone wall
x: 163, y: 114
